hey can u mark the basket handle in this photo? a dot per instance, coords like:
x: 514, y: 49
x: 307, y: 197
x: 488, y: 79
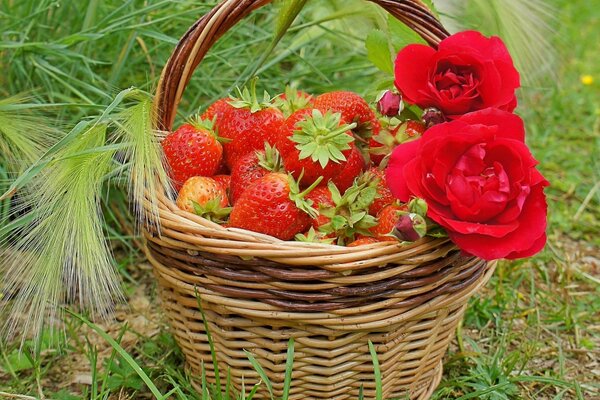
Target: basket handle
x: 201, y: 36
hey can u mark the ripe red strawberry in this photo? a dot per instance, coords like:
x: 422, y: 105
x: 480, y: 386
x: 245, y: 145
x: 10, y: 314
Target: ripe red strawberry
x: 363, y: 241
x: 321, y: 199
x: 384, y: 194
x: 384, y: 143
x: 386, y: 220
x: 216, y: 109
x: 354, y: 166
x: 273, y: 205
x: 315, y: 145
x: 293, y: 100
x: 353, y: 109
x: 205, y: 197
x: 192, y: 150
x: 251, y: 167
x: 248, y: 124
x: 223, y: 180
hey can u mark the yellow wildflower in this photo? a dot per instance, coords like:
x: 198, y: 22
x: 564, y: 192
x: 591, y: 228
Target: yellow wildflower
x: 587, y: 79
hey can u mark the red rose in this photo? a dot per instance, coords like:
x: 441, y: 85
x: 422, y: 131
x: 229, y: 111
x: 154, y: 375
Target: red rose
x: 467, y: 72
x: 480, y: 183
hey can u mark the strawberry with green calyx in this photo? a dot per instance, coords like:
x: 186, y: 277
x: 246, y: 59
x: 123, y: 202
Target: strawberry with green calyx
x: 205, y: 197
x: 353, y: 109
x: 251, y: 167
x: 313, y: 236
x: 354, y: 167
x: 315, y: 145
x: 212, y: 211
x: 194, y: 149
x: 349, y: 216
x: 274, y: 205
x: 376, y: 178
x: 321, y: 199
x: 382, y: 145
x: 249, y: 123
x: 386, y: 222
x: 292, y: 100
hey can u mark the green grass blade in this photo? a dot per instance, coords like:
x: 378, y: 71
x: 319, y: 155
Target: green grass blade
x: 261, y: 372
x: 122, y: 353
x: 211, y: 344
x: 376, y: 372
x: 289, y: 365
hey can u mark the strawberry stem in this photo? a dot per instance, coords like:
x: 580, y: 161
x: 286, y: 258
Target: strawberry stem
x: 342, y: 129
x: 311, y: 187
x: 248, y: 99
x: 298, y: 197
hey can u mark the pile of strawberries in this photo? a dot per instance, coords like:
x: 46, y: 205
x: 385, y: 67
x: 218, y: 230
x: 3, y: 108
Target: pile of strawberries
x: 294, y: 167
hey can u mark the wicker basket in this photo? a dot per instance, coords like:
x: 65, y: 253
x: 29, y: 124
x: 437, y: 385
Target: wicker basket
x: 258, y: 291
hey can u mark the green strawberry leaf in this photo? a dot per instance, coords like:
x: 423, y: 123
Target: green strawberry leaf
x: 212, y: 210
x: 313, y: 237
x: 270, y: 159
x: 299, y: 198
x: 293, y: 101
x: 247, y: 98
x: 322, y: 139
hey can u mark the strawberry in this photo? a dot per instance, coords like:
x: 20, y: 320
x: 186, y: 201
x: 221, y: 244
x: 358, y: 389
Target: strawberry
x: 321, y: 199
x: 274, y: 205
x: 386, y: 221
x: 354, y: 166
x: 205, y: 197
x: 384, y: 143
x: 216, y: 110
x: 293, y: 100
x: 363, y: 241
x: 353, y: 109
x: 384, y: 195
x: 248, y: 124
x: 349, y: 216
x: 223, y: 180
x: 314, y: 145
x: 251, y: 167
x: 192, y: 150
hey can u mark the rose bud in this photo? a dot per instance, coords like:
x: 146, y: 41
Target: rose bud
x: 432, y: 116
x: 410, y: 227
x: 389, y: 104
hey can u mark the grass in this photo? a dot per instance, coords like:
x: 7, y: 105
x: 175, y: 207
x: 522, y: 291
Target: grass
x: 533, y: 333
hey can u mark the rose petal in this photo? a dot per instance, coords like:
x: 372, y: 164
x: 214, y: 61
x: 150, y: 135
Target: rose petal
x: 411, y: 77
x: 394, y: 173
x: 531, y: 227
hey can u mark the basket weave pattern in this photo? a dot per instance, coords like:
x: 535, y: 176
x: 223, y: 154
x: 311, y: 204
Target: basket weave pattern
x: 258, y: 291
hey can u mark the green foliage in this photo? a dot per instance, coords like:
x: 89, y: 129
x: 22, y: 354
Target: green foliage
x: 378, y: 51
x: 25, y: 133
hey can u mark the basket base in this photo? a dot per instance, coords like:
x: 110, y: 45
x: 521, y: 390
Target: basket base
x: 425, y: 395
